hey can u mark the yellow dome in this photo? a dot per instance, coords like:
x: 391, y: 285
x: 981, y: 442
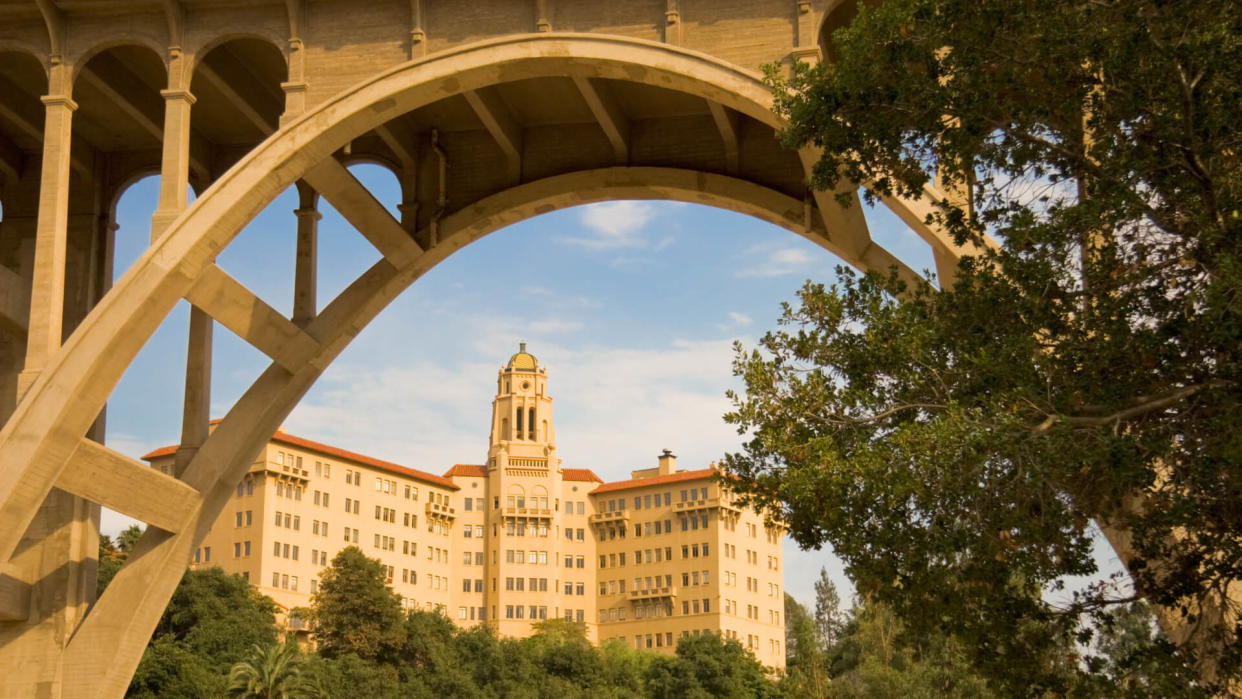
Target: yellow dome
x: 523, y: 360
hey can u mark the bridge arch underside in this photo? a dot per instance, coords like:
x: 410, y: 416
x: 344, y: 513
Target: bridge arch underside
x: 480, y: 137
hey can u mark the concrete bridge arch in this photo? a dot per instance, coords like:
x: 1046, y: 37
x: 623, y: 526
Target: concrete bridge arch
x: 44, y: 442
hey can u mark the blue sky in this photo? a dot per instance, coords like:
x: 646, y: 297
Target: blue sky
x: 632, y: 306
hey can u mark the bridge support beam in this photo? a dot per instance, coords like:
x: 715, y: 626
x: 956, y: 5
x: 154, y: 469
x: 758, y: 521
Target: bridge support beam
x: 48, y: 584
x: 307, y: 260
x: 47, y: 294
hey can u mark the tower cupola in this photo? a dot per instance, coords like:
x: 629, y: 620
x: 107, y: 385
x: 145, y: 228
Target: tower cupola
x: 522, y: 410
x: 523, y: 360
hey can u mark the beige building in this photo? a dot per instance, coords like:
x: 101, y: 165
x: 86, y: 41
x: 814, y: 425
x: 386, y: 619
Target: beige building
x: 516, y: 540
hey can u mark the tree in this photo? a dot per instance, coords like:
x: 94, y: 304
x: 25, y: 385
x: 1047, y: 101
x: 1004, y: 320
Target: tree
x: 876, y: 656
x: 708, y: 666
x: 1134, y: 656
x: 211, y: 620
x: 271, y: 672
x: 806, y: 663
x: 828, y: 613
x: 955, y: 447
x: 113, y: 555
x: 355, y: 611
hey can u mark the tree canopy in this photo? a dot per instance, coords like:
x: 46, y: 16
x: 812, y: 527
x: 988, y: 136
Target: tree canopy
x: 211, y: 621
x: 958, y: 447
x: 354, y: 609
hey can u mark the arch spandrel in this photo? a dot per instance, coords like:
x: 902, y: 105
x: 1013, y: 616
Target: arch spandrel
x: 49, y: 423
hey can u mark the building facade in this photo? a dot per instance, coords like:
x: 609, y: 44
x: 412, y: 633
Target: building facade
x: 515, y: 540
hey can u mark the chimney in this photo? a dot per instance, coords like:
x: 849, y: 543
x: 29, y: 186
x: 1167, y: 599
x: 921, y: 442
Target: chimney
x: 668, y: 463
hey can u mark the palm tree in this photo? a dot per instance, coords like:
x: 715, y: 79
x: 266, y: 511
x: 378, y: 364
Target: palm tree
x: 274, y: 672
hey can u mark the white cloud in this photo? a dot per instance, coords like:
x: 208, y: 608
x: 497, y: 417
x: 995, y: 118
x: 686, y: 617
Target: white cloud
x: 554, y: 325
x: 614, y: 225
x: 615, y: 408
x: 556, y: 298
x: 739, y: 318
x: 778, y: 263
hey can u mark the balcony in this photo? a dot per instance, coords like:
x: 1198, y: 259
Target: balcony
x: 291, y: 473
x: 669, y: 591
x: 610, y: 517
x: 538, y: 512
x: 709, y: 504
x: 435, y: 509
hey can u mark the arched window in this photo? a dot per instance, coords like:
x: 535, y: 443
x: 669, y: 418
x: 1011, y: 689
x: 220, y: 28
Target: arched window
x: 531, y: 422
x: 519, y: 423
x: 539, y: 497
x: 516, y: 497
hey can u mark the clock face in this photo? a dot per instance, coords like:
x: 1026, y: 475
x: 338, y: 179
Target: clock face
x: 525, y: 385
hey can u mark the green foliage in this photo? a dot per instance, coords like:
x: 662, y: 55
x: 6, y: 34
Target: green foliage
x: 272, y: 672
x: 956, y: 446
x: 170, y: 669
x: 1134, y: 656
x: 113, y: 555
x: 355, y: 611
x: 348, y: 676
x: 211, y: 621
x: 829, y: 616
x: 877, y: 657
x: 708, y: 666
x: 806, y: 662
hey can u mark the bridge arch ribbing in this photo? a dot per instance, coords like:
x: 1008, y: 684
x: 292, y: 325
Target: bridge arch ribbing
x: 47, y: 428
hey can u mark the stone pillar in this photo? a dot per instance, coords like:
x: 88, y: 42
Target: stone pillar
x: 47, y: 293
x: 295, y: 86
x: 196, y: 408
x: 175, y: 162
x: 806, y: 41
x: 306, y: 263
x: 56, y: 561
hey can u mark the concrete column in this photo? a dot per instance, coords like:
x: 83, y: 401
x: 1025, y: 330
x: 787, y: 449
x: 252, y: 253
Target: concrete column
x: 307, y: 261
x: 47, y: 293
x: 57, y: 557
x: 295, y: 87
x: 17, y: 241
x: 196, y: 409
x: 806, y: 42
x: 175, y: 163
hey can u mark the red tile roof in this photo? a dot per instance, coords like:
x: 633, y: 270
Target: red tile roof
x: 286, y: 438
x: 580, y: 474
x: 655, y: 480
x: 466, y: 470
x: 162, y: 451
